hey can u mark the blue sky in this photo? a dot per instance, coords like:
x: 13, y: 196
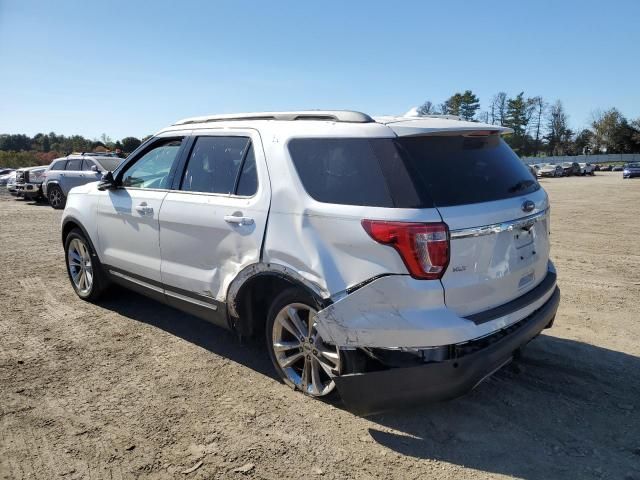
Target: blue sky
x: 133, y: 67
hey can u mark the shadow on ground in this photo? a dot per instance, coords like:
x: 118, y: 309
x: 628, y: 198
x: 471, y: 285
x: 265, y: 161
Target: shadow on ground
x: 566, y: 409
x: 248, y: 352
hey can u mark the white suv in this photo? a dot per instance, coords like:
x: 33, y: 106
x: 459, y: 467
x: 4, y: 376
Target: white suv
x: 399, y: 259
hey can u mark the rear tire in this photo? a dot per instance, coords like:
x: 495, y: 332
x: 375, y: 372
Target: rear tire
x: 302, y: 359
x: 87, y: 277
x: 56, y: 198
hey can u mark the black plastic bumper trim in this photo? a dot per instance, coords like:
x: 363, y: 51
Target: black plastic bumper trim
x: 374, y: 392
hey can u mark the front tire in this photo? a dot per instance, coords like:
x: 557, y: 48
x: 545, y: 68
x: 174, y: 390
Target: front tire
x: 302, y: 359
x: 56, y: 198
x: 83, y: 267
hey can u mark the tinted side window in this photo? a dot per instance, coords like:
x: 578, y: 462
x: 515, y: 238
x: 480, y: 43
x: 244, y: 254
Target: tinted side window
x: 356, y: 171
x: 59, y: 165
x: 87, y: 164
x: 153, y: 168
x: 248, y: 182
x: 214, y: 164
x: 74, y: 164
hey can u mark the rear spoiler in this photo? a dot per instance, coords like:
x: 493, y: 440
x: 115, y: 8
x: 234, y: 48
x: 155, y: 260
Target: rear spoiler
x: 435, y: 125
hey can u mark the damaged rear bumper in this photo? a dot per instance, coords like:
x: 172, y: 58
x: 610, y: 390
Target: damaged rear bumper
x: 372, y: 392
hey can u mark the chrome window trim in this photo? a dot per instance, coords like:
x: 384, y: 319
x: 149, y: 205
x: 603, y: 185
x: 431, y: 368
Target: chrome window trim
x: 499, y: 227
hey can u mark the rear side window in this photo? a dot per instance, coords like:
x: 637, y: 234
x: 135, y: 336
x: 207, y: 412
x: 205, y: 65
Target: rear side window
x: 458, y: 170
x: 356, y: 171
x: 74, y: 164
x: 248, y: 181
x: 59, y: 165
x: 215, y: 164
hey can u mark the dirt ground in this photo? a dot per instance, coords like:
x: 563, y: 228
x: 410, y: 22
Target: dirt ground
x: 134, y: 389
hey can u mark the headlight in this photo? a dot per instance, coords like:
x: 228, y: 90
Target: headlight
x: 625, y: 171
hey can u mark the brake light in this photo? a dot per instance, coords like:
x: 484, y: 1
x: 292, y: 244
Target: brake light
x: 423, y: 247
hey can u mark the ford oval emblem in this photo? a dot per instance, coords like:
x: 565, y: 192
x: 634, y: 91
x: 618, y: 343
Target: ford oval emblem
x: 528, y: 206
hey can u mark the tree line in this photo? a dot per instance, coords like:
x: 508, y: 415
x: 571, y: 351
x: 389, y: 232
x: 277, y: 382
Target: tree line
x: 19, y: 150
x: 541, y: 128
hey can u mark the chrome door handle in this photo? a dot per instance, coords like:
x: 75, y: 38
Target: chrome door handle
x: 238, y: 220
x: 143, y: 209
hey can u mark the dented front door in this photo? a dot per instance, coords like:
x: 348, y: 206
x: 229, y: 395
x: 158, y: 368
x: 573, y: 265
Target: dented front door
x: 206, y: 238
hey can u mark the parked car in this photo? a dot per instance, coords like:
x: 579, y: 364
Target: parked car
x: 586, y: 169
x: 617, y: 168
x: 570, y: 168
x: 77, y: 169
x: 29, y: 182
x: 550, y: 170
x: 5, y: 175
x: 631, y: 170
x: 336, y: 236
x: 606, y: 168
x: 11, y: 184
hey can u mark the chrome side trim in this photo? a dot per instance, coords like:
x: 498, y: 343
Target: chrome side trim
x: 191, y: 300
x: 137, y: 281
x: 523, y: 222
x: 164, y: 291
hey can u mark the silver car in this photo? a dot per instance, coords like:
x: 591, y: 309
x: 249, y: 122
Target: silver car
x: 72, y: 171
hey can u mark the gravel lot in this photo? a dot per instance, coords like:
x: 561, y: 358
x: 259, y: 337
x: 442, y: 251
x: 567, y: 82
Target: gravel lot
x: 133, y: 389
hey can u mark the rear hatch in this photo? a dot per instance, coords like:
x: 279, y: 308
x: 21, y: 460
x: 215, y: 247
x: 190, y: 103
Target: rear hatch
x: 495, y: 210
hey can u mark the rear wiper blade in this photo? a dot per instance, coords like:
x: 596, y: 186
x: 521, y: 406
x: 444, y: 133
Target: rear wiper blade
x: 521, y: 185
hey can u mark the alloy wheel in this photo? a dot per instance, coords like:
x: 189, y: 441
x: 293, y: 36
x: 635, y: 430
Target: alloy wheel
x: 80, y: 267
x: 55, y: 198
x: 306, y: 359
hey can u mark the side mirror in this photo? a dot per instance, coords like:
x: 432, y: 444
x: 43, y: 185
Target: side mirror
x: 94, y: 168
x: 107, y: 182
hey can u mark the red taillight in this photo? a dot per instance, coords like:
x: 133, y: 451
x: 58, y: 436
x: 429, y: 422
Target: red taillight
x: 424, y: 247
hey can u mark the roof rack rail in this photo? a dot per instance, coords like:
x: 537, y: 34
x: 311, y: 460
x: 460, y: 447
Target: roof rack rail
x: 347, y: 116
x: 92, y: 154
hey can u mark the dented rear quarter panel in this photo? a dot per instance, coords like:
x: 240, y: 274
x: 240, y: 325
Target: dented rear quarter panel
x: 325, y: 243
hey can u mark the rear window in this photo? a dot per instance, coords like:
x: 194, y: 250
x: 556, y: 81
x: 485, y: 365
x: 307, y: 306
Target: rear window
x: 109, y: 164
x: 410, y: 172
x: 458, y: 170
x: 356, y: 171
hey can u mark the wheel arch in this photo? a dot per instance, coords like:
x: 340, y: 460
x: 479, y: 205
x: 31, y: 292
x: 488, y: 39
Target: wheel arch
x: 251, y: 293
x: 71, y: 223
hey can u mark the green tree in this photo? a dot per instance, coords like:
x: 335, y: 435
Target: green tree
x: 583, y: 144
x: 464, y: 105
x: 129, y: 144
x: 469, y: 105
x: 519, y: 111
x: 614, y: 134
x: 451, y: 105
